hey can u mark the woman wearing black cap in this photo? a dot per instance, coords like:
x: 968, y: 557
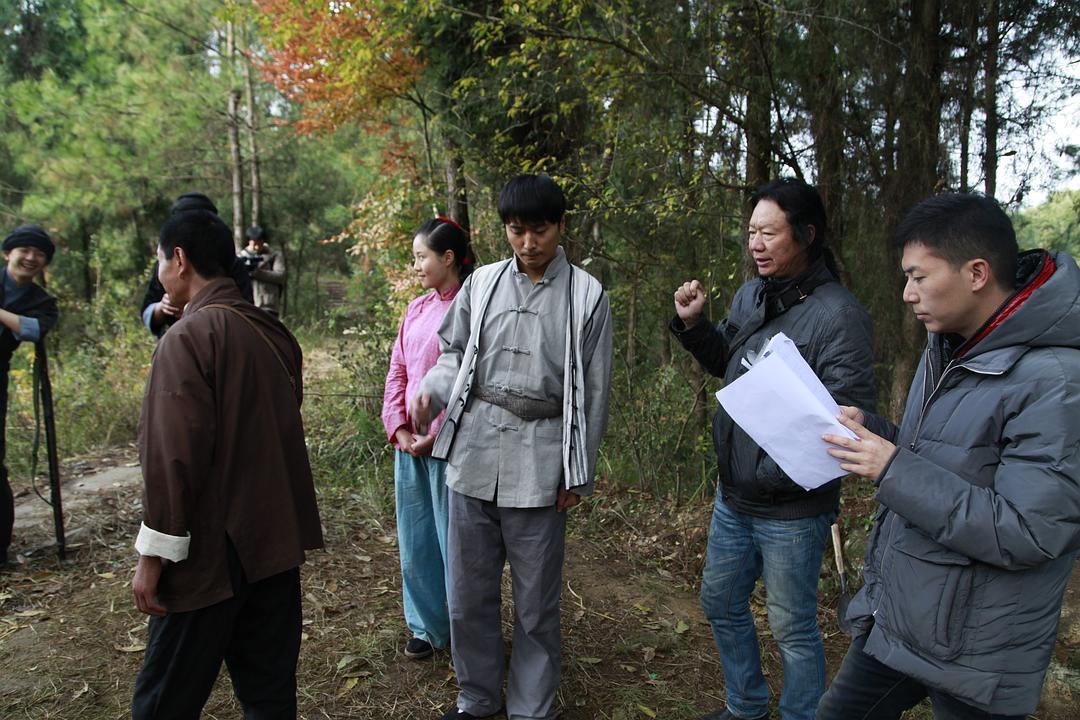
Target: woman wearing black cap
x: 27, y: 312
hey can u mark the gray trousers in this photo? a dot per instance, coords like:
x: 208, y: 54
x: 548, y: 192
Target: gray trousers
x: 481, y: 538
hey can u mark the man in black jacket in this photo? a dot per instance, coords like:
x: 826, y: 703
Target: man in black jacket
x: 27, y: 312
x: 764, y: 525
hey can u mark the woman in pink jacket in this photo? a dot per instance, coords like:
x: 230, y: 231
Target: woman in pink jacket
x: 442, y: 259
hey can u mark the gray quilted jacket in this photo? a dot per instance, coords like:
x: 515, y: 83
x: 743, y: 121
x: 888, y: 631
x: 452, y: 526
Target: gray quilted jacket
x: 979, y: 522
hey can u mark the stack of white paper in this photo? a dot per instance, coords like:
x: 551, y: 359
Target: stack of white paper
x: 783, y: 406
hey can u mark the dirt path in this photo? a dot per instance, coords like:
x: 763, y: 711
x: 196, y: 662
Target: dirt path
x: 635, y: 643
x: 71, y: 642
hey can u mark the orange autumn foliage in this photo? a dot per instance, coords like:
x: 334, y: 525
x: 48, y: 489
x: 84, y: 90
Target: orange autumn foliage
x: 339, y: 61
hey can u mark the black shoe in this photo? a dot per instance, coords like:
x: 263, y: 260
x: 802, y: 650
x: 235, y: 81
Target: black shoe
x: 417, y: 649
x: 457, y: 714
x: 725, y: 714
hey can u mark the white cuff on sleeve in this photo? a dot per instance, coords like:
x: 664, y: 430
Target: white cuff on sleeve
x: 158, y: 544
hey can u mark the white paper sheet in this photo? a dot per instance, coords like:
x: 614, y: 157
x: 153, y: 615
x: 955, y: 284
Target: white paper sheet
x: 783, y: 406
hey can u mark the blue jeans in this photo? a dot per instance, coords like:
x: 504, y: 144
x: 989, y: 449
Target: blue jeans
x: 787, y: 555
x: 420, y: 495
x: 865, y: 689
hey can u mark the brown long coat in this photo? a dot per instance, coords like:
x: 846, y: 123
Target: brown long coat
x: 221, y: 443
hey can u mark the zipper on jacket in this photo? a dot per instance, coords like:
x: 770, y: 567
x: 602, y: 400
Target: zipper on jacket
x: 948, y: 368
x: 918, y: 426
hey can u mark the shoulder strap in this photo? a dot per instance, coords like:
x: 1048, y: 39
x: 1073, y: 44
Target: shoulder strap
x: 253, y: 326
x: 796, y: 294
x: 771, y: 309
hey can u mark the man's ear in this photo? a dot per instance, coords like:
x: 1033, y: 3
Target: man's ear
x: 562, y: 224
x: 811, y: 233
x: 980, y: 274
x: 181, y: 259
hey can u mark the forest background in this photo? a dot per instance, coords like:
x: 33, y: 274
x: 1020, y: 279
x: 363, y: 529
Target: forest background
x: 339, y: 126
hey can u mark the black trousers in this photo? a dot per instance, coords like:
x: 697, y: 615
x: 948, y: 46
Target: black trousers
x: 7, y: 511
x: 256, y: 633
x: 865, y: 689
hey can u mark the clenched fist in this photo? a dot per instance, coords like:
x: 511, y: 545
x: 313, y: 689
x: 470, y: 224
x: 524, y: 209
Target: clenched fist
x: 689, y: 302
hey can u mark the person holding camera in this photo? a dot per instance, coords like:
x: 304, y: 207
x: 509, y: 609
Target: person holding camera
x: 267, y: 269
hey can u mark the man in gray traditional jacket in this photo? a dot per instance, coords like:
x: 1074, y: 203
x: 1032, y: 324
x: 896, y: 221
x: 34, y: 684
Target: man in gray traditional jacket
x: 979, y: 522
x: 524, y: 377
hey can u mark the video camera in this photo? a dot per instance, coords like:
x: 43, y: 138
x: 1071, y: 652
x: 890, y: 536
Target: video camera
x: 251, y: 262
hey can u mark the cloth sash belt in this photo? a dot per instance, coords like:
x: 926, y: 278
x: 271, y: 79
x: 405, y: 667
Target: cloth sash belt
x: 523, y: 407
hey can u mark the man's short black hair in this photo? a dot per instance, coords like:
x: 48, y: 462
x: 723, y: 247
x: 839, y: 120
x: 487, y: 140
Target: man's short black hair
x: 531, y: 199
x: 959, y: 227
x: 205, y: 238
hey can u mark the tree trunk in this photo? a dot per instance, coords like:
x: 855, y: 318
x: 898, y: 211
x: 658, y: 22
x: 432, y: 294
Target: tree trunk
x: 828, y: 130
x: 758, y: 115
x: 234, y: 142
x: 457, y: 196
x: 296, y: 270
x: 87, y: 272
x: 758, y: 123
x: 253, y: 141
x: 631, y: 328
x: 916, y: 175
x: 990, y: 102
x: 967, y: 97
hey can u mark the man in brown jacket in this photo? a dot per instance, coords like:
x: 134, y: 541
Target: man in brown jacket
x: 228, y: 502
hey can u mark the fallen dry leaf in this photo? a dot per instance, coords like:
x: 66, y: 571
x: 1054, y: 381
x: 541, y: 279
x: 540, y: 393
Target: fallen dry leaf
x: 29, y: 613
x: 346, y: 661
x: 133, y: 648
x: 346, y: 686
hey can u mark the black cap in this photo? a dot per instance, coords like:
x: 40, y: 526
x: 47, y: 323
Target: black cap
x: 30, y: 236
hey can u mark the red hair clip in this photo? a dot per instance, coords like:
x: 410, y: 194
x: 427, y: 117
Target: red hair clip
x: 448, y: 220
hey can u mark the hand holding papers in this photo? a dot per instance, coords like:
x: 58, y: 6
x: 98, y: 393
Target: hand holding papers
x: 783, y: 406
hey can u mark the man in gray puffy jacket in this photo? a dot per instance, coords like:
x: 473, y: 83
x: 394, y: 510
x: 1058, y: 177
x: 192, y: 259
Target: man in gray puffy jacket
x: 979, y: 519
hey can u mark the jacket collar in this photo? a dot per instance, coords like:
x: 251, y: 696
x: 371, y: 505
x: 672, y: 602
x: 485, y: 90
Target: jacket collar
x: 556, y: 266
x: 1036, y: 268
x: 217, y: 290
x: 449, y: 294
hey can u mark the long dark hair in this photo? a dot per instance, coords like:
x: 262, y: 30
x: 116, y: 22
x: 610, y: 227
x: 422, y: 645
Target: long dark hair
x: 442, y: 234
x: 802, y: 208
